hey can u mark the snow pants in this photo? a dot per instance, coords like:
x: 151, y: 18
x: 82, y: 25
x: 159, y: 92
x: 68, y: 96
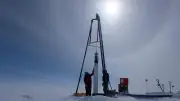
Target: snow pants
x: 88, y: 90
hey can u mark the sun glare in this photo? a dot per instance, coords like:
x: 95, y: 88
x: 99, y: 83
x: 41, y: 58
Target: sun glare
x: 111, y: 7
x: 111, y: 10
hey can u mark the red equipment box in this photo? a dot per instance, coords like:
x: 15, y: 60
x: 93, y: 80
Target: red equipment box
x: 123, y: 86
x: 124, y: 81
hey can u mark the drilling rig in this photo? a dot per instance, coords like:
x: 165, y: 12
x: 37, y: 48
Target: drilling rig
x: 98, y: 44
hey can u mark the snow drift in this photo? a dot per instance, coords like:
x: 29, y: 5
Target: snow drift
x: 122, y: 98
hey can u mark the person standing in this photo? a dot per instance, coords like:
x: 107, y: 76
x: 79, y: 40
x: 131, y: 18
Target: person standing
x: 88, y: 82
x: 105, y: 82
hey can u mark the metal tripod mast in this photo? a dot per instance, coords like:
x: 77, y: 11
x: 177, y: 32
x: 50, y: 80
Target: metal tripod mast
x: 89, y: 43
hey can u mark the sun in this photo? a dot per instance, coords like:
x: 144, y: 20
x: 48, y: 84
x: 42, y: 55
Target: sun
x: 111, y: 10
x: 111, y: 7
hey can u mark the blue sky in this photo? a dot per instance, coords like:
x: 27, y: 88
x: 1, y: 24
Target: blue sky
x: 42, y: 43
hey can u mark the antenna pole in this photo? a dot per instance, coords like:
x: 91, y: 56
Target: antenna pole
x: 146, y: 80
x: 170, y: 83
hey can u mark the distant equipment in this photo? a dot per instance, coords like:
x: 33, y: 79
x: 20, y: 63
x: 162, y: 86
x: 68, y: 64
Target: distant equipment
x: 170, y: 86
x: 160, y: 85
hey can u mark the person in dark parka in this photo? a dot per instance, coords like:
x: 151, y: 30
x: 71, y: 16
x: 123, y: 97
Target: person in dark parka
x: 88, y: 82
x: 105, y: 81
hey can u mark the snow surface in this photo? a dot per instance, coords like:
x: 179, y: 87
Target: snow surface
x: 122, y: 98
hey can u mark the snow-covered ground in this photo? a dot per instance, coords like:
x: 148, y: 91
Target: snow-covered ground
x: 122, y: 98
